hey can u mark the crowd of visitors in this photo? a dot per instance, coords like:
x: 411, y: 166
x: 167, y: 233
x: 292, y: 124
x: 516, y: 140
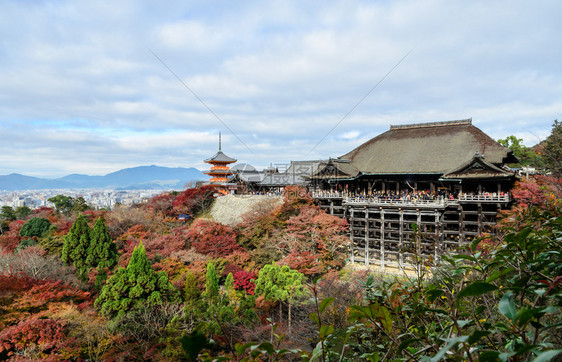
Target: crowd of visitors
x: 410, y: 196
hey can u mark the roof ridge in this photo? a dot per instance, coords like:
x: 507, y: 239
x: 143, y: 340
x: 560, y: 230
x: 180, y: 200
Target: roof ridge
x: 432, y: 124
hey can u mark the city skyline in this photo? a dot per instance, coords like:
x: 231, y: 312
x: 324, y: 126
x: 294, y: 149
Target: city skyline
x: 93, y: 88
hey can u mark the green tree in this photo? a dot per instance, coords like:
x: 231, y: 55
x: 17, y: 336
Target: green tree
x: 552, y: 151
x: 76, y: 244
x: 22, y: 212
x: 63, y: 203
x: 7, y: 215
x: 526, y: 156
x: 211, y: 283
x: 102, y: 251
x: 282, y: 284
x: 135, y: 287
x: 36, y: 226
x: 80, y: 205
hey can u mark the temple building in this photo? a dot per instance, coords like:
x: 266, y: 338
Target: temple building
x: 220, y: 172
x: 447, y: 178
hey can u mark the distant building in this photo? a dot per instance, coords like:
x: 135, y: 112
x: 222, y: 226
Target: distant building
x: 275, y: 179
x: 220, y: 171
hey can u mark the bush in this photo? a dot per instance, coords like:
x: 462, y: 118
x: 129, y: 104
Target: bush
x: 24, y: 244
x: 35, y: 227
x: 194, y: 201
x: 213, y: 238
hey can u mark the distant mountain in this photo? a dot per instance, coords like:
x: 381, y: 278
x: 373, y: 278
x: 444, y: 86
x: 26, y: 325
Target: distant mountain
x: 142, y: 177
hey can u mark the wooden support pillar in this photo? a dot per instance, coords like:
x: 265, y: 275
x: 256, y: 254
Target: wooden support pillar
x: 382, y: 239
x: 418, y: 242
x: 351, y: 236
x: 367, y: 256
x: 383, y: 186
x: 331, y: 207
x: 401, y: 241
x: 461, y: 223
x: 479, y: 218
x: 437, y: 236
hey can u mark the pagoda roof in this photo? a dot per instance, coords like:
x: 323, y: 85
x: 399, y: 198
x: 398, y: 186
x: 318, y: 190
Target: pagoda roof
x: 220, y: 157
x: 219, y: 172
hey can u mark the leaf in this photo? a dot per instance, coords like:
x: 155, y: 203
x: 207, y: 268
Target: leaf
x: 434, y: 294
x: 525, y: 314
x: 386, y: 319
x: 241, y: 348
x: 325, y: 303
x: 325, y: 331
x: 475, y: 289
x: 406, y: 343
x: 267, y: 347
x: 465, y: 257
x: 477, y: 335
x: 193, y: 344
x: 507, y: 306
x: 464, y: 322
x: 491, y: 356
x: 547, y: 356
x: 317, y: 352
x: 498, y: 273
x: 314, y: 318
x: 451, y: 342
x: 371, y: 357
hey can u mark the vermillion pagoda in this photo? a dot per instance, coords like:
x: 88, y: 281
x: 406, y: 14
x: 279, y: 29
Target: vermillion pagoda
x: 220, y: 171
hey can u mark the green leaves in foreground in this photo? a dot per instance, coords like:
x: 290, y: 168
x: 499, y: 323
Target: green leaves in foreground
x: 475, y: 289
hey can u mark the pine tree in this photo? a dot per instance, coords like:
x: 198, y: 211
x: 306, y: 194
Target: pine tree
x: 102, y: 252
x: 135, y: 287
x: 211, y: 282
x: 76, y: 244
x: 280, y: 283
x: 36, y: 226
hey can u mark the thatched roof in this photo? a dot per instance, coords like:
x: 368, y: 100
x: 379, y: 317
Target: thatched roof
x: 478, y: 168
x: 436, y: 148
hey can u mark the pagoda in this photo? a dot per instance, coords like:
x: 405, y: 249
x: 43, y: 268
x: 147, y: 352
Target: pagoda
x: 220, y: 171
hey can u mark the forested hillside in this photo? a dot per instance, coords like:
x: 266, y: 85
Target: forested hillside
x: 140, y: 283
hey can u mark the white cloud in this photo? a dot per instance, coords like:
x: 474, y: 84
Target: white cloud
x: 81, y: 90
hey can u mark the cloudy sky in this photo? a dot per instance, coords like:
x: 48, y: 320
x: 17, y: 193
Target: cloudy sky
x: 92, y: 87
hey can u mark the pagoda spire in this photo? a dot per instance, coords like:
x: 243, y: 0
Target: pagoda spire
x: 220, y: 142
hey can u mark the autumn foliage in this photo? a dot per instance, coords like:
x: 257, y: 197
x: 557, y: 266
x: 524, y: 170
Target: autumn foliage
x: 245, y: 281
x: 195, y: 200
x: 48, y: 306
x: 213, y: 238
x: 45, y: 334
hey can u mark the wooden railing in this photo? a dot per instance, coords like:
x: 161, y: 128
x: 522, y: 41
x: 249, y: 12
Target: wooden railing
x: 439, y: 201
x: 485, y: 197
x: 390, y: 201
x: 327, y: 195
